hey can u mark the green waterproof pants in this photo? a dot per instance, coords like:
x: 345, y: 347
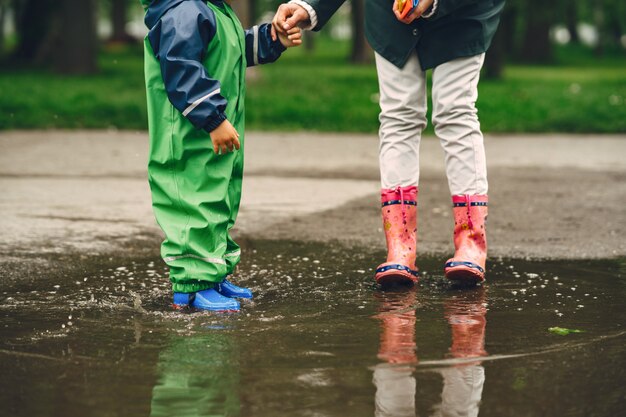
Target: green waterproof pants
x: 196, y: 193
x: 196, y: 201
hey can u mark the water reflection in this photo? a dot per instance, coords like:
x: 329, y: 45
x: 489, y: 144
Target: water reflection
x: 395, y: 379
x: 198, y: 376
x: 396, y: 385
x: 463, y: 384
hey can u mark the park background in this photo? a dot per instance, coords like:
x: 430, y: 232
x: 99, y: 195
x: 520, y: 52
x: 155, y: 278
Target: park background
x: 87, y: 326
x: 556, y: 66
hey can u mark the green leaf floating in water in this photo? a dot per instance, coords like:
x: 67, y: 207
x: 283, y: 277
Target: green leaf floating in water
x: 563, y: 331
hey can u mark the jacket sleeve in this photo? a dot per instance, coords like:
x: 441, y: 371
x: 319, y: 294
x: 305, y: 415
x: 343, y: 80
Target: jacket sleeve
x: 179, y: 41
x: 325, y: 9
x: 260, y: 48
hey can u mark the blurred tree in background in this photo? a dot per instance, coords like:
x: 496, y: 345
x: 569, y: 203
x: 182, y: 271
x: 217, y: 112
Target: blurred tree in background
x: 569, y: 52
x: 4, y: 8
x: 361, y: 52
x: 527, y: 31
x: 63, y: 33
x: 77, y: 49
x: 58, y: 33
x: 119, y: 19
x: 34, y: 21
x: 246, y: 11
x: 537, y: 17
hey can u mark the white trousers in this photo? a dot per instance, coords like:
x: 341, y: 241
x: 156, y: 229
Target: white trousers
x: 455, y: 119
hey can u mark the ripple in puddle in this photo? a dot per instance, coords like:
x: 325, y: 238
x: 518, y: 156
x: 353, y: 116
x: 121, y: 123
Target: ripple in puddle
x: 320, y: 339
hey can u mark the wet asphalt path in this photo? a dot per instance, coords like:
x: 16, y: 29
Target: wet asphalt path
x: 86, y: 193
x: 87, y: 329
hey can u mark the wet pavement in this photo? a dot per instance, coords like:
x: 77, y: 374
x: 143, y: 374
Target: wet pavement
x: 87, y: 327
x: 318, y: 340
x: 86, y: 192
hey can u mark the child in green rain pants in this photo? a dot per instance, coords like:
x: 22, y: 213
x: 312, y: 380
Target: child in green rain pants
x: 196, y: 54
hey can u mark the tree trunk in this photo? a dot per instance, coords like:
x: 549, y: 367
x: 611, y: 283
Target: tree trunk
x: 34, y: 20
x: 610, y: 22
x: 501, y: 44
x: 119, y: 9
x: 571, y: 20
x: 245, y: 12
x: 494, y: 60
x: 78, y: 48
x: 599, y: 20
x: 361, y: 51
x: 536, y: 45
x: 3, y: 9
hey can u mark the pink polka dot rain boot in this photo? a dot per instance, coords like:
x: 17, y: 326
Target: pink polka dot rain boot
x: 399, y: 212
x: 470, y: 239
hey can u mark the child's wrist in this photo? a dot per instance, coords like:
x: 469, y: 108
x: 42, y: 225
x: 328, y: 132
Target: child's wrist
x: 214, y: 122
x: 281, y: 47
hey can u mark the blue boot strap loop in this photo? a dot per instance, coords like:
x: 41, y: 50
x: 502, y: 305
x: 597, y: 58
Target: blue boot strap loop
x: 464, y: 263
x: 473, y: 203
x: 392, y: 202
x: 398, y: 267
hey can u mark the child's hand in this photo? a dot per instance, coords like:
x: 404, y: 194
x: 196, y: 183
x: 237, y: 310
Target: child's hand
x: 293, y: 37
x: 416, y: 13
x: 225, y: 138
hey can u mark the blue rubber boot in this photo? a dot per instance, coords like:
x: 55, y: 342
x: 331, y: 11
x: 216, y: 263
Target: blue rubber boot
x: 205, y: 300
x: 228, y: 289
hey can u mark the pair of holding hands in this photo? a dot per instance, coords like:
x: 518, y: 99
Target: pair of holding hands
x: 292, y: 15
x: 286, y: 28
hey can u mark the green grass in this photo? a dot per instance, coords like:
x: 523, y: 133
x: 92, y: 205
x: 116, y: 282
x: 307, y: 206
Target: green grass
x: 557, y: 99
x: 115, y: 97
x: 321, y: 91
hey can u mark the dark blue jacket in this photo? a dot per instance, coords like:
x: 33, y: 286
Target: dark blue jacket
x: 180, y: 32
x: 458, y: 28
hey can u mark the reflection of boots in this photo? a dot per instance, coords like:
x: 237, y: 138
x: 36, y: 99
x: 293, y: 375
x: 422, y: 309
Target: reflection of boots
x: 470, y: 239
x: 397, y: 317
x: 399, y: 212
x: 395, y: 385
x: 463, y: 383
x: 466, y: 315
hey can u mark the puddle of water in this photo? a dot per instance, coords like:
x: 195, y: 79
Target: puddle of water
x: 319, y: 340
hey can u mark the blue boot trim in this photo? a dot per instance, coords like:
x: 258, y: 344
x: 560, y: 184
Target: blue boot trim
x: 472, y: 204
x: 228, y: 289
x: 464, y: 263
x: 393, y: 202
x: 206, y: 300
x: 212, y: 300
x: 398, y: 267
